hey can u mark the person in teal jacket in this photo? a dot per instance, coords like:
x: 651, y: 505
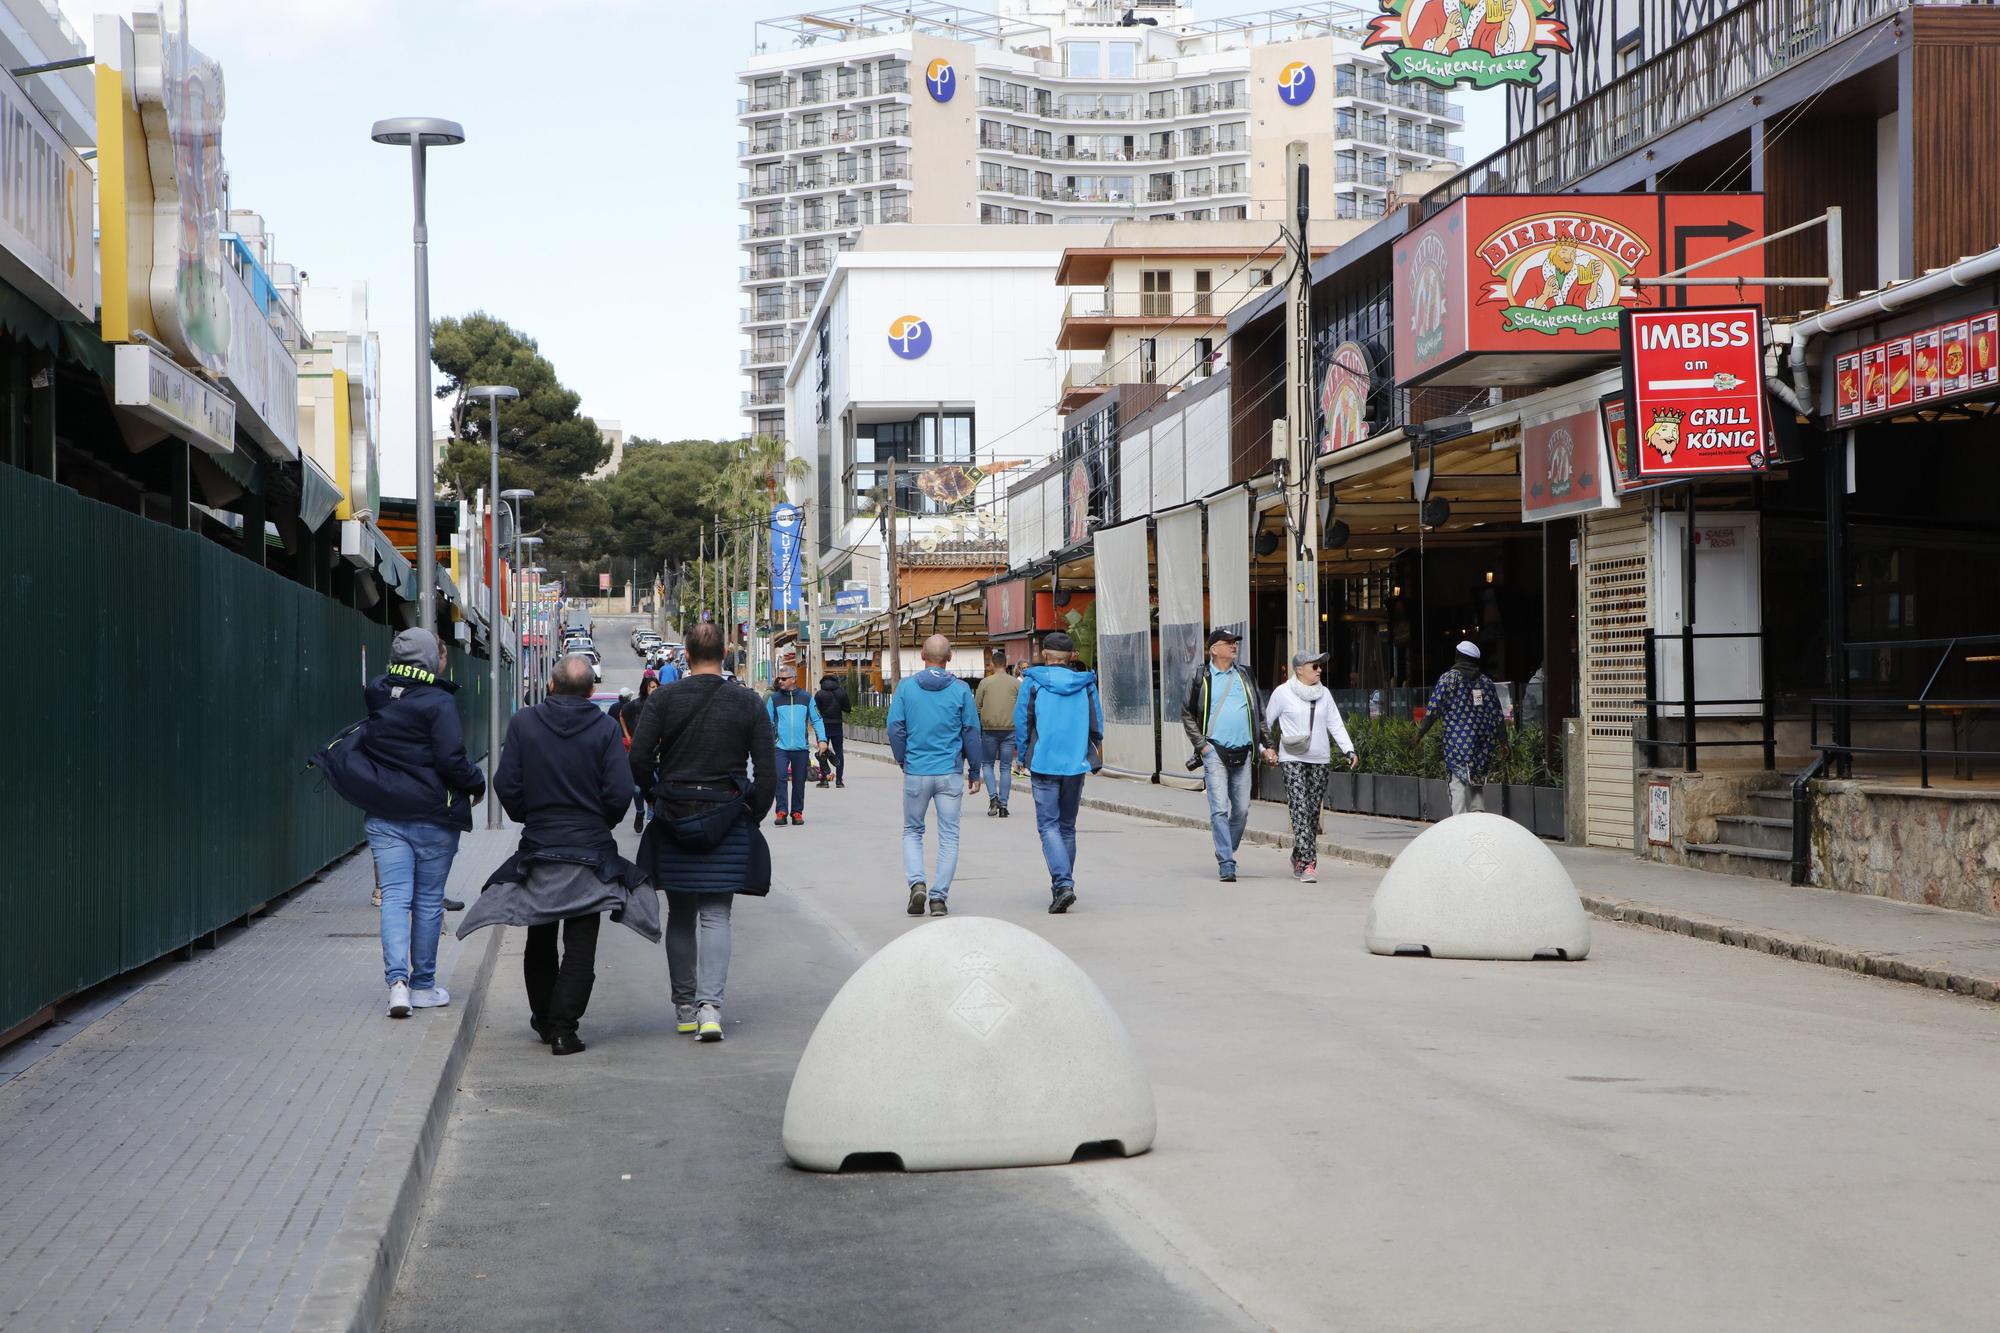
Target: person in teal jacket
x: 1059, y: 734
x: 795, y: 718
x: 933, y: 726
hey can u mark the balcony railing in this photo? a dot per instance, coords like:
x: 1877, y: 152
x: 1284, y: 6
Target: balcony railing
x: 893, y: 83
x: 757, y: 189
x: 763, y: 397
x: 777, y: 312
x: 766, y: 352
x: 1162, y: 306
x: 761, y: 103
x: 768, y: 271
x: 1747, y: 46
x: 761, y: 231
x: 896, y: 213
x: 1159, y: 194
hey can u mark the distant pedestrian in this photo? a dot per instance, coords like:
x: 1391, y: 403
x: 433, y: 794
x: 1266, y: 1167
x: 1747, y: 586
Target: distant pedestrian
x: 1468, y: 705
x: 1059, y: 732
x: 667, y: 670
x: 406, y: 769
x: 834, y: 706
x: 996, y: 697
x: 1221, y: 718
x: 933, y: 724
x: 795, y: 721
x: 564, y: 777
x: 695, y: 743
x: 628, y: 723
x: 617, y: 711
x: 1305, y: 718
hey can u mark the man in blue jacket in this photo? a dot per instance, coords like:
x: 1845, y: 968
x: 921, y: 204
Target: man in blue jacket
x: 1059, y: 734
x: 407, y: 771
x: 933, y: 723
x: 796, y: 720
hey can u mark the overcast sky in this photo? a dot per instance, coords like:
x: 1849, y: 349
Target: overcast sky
x: 593, y: 204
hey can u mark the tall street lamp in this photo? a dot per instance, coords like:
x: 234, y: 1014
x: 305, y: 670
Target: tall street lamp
x: 494, y: 394
x: 419, y: 133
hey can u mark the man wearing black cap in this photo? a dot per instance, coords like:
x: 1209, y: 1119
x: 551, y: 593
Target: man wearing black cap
x: 1221, y: 719
x: 1468, y: 705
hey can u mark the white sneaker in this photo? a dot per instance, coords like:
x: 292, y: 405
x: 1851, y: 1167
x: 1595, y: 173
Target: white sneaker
x: 1310, y: 875
x: 437, y: 997
x: 399, y: 1000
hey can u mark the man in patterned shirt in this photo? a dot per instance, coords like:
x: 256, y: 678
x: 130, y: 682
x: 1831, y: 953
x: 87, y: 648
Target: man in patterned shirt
x: 1469, y: 706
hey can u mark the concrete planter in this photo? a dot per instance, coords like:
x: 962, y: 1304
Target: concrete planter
x: 1364, y: 794
x: 1436, y: 800
x: 1340, y: 789
x: 1550, y: 812
x: 1398, y: 797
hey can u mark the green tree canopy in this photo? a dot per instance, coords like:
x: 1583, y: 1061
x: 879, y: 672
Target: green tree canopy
x: 545, y: 445
x: 653, y: 503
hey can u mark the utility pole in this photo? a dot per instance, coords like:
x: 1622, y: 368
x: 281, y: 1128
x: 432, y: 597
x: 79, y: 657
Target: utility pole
x: 895, y: 609
x: 1301, y: 489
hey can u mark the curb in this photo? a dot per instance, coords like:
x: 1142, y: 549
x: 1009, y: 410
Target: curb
x: 350, y: 1292
x: 1263, y: 838
x: 1802, y: 948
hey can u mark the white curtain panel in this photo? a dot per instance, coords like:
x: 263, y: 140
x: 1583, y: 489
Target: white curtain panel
x: 1177, y: 534
x: 1125, y: 647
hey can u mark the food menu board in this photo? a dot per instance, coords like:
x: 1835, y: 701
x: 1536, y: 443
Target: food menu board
x: 1918, y: 369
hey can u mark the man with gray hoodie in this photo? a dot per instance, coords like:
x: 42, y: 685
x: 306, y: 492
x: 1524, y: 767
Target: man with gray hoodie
x: 933, y: 724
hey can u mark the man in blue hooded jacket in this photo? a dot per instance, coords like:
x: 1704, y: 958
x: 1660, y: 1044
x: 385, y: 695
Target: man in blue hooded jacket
x: 796, y: 721
x: 933, y: 723
x: 1059, y: 734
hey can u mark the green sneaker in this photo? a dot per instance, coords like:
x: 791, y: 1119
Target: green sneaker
x: 684, y: 1019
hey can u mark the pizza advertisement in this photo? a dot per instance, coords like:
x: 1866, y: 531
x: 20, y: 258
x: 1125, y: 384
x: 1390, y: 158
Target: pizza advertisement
x: 1924, y: 365
x: 1902, y: 393
x: 1956, y: 376
x: 1984, y: 335
x: 1874, y: 379
x: 1918, y: 369
x: 1847, y: 387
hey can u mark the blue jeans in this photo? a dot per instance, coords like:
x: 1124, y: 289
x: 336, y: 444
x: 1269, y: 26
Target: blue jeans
x: 412, y: 862
x: 1228, y: 803
x: 997, y: 768
x: 792, y: 768
x: 919, y: 791
x: 1056, y: 803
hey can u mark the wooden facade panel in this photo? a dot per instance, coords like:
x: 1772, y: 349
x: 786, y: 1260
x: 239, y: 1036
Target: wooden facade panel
x: 1825, y: 162
x: 1956, y: 207
x: 1955, y: 25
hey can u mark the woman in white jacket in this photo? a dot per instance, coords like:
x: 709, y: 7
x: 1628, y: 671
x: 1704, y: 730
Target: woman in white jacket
x: 1308, y: 727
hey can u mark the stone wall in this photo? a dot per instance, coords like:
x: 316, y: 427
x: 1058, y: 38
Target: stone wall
x: 1933, y: 846
x: 1697, y: 798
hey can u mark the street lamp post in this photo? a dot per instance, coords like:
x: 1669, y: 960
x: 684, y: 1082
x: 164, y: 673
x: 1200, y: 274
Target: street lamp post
x: 420, y: 133
x: 494, y: 394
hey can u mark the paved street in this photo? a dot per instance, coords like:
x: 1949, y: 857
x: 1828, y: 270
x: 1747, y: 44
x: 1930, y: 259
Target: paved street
x: 1670, y: 1135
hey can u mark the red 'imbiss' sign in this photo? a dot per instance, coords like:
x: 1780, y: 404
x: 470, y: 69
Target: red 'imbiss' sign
x: 1694, y: 380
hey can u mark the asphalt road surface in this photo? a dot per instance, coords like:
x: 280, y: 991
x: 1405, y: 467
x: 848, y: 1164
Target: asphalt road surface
x: 1670, y: 1135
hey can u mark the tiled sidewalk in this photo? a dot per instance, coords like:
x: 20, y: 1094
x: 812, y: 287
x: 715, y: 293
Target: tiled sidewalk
x: 189, y: 1160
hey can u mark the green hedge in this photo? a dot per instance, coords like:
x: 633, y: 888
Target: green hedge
x: 1388, y: 745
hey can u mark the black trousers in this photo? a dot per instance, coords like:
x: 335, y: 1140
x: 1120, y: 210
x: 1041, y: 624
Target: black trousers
x: 558, y: 993
x: 836, y: 736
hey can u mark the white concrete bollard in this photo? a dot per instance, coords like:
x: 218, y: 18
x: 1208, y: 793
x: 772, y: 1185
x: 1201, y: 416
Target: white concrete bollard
x: 1478, y: 886
x: 967, y: 1043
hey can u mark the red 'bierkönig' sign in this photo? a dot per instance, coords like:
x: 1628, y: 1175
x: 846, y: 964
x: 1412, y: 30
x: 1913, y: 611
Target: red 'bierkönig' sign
x: 1694, y: 380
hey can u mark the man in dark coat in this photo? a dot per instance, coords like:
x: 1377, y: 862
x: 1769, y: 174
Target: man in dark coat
x: 407, y: 771
x: 703, y: 845
x: 834, y: 706
x: 563, y: 776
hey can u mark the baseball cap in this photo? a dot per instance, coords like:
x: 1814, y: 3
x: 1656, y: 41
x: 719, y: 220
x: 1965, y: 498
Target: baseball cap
x: 1216, y: 636
x: 1058, y: 642
x: 1301, y: 659
x: 1467, y: 648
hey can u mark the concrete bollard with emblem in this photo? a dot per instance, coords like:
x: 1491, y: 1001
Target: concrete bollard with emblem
x: 1478, y: 886
x: 967, y: 1043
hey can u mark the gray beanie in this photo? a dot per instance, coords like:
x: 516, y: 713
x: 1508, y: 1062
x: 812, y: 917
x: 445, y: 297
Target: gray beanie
x: 415, y: 647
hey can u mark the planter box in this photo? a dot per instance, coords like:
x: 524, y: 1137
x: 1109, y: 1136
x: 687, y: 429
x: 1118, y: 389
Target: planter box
x: 1398, y: 797
x: 1517, y: 802
x: 1436, y: 798
x: 1270, y: 784
x: 1364, y: 794
x: 1340, y: 789
x: 1549, y: 812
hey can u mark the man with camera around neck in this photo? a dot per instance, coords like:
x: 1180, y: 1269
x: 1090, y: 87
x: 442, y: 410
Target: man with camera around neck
x: 1221, y: 720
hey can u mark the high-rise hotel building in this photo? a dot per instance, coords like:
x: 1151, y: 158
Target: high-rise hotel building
x: 1047, y: 112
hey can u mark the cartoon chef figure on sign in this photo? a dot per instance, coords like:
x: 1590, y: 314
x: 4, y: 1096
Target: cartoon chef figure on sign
x: 1664, y: 434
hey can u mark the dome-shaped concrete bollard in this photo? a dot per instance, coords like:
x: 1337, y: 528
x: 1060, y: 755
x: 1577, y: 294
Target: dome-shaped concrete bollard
x: 967, y: 1043
x: 1478, y: 886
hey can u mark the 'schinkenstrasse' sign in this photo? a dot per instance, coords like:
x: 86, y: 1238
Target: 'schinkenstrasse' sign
x: 1695, y: 382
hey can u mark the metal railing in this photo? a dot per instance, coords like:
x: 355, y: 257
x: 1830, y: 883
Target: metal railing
x: 1840, y: 712
x: 1692, y: 78
x: 1690, y: 742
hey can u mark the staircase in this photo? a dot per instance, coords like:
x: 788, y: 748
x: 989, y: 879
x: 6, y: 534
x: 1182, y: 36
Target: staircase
x: 1757, y: 842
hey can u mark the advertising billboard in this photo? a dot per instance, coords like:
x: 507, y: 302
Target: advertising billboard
x: 1695, y: 383
x: 1563, y: 469
x: 1516, y: 289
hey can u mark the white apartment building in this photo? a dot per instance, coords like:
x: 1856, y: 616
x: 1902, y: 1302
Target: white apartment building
x: 923, y: 349
x: 1043, y: 113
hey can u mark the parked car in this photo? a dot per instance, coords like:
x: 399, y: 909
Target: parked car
x: 603, y: 699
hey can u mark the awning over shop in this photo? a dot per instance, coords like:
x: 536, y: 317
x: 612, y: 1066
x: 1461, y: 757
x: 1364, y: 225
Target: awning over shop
x: 318, y: 495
